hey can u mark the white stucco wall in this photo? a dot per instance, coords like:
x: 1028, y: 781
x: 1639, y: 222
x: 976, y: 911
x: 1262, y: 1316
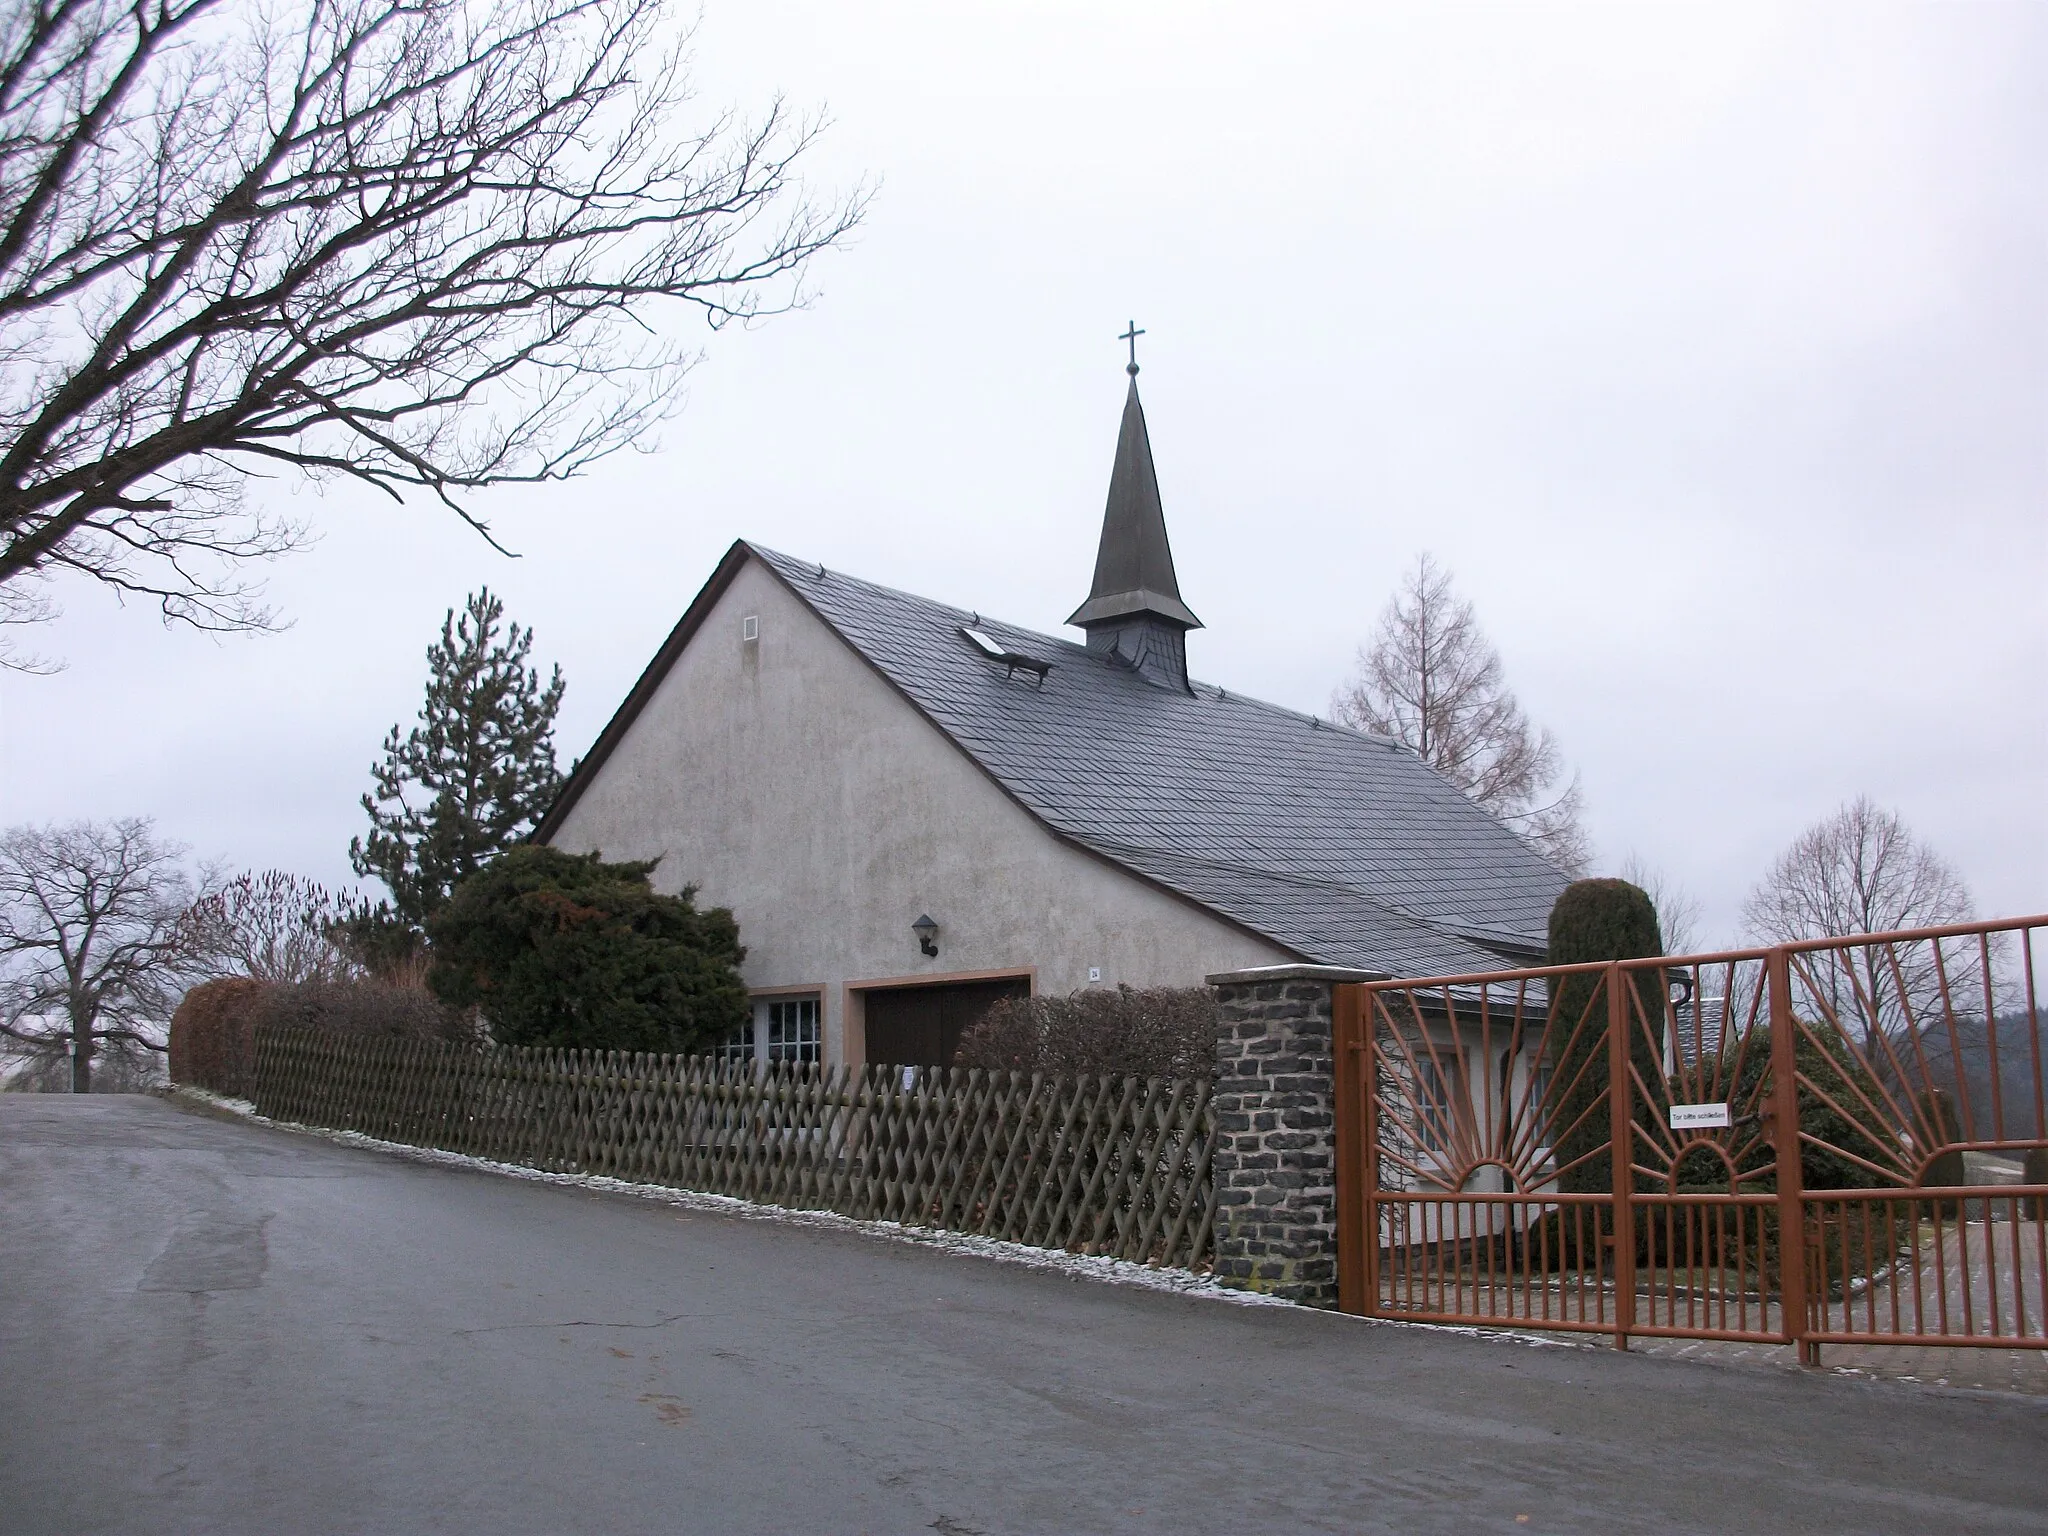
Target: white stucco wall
x: 787, y: 780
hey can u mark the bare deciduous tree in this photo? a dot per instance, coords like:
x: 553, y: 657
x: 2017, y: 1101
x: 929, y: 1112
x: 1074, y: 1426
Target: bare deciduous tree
x: 1433, y: 681
x: 1860, y: 871
x: 1863, y: 871
x: 273, y: 926
x: 94, y: 947
x: 414, y: 243
x: 1678, y: 910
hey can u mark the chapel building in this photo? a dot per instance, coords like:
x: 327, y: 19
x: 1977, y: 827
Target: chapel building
x: 913, y: 809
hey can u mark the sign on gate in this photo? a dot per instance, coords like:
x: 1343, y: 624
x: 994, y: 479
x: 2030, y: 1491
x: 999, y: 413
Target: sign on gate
x: 1699, y: 1117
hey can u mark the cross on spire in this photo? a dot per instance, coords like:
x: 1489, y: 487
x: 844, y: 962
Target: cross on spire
x: 1135, y: 591
x: 1132, y: 336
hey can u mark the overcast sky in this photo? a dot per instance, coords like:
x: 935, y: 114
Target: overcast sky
x: 1707, y: 347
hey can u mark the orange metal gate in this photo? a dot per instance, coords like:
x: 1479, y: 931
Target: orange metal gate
x: 1623, y: 1148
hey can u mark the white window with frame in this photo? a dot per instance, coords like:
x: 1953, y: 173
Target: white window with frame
x: 782, y: 1029
x: 1526, y: 1110
x: 1435, y: 1118
x: 737, y: 1046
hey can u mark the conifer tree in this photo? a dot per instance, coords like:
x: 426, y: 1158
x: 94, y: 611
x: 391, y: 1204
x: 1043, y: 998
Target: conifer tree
x: 1601, y: 920
x: 1433, y: 681
x: 467, y: 782
x: 566, y: 950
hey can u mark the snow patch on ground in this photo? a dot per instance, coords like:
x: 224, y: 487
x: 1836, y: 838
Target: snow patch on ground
x: 1077, y: 1266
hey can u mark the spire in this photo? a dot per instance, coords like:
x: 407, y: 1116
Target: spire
x: 1134, y: 563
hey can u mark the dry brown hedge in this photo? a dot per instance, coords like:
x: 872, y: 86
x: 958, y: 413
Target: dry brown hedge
x: 213, y: 1035
x: 365, y: 1006
x: 1128, y: 1032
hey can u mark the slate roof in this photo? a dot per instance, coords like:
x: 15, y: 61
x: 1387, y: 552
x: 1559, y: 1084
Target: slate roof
x: 1340, y: 846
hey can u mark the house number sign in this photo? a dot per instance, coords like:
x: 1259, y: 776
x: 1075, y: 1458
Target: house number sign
x: 1698, y: 1117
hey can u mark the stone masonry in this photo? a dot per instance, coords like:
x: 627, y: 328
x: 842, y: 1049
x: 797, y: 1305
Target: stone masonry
x: 1275, y: 1157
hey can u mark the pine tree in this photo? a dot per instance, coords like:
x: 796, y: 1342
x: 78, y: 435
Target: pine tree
x: 466, y: 783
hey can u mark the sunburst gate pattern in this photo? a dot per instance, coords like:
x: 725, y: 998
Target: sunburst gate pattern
x: 1617, y: 1147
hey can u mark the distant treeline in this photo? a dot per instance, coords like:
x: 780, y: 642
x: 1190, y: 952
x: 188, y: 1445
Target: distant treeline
x: 2020, y: 1060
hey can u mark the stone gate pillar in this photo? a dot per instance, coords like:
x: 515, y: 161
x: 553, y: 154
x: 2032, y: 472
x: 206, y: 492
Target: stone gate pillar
x: 1275, y: 1157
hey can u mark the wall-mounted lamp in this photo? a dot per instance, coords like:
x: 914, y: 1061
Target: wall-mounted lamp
x: 927, y: 933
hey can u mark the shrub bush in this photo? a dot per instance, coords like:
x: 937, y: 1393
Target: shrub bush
x: 212, y: 1035
x: 561, y: 949
x: 274, y: 926
x: 1601, y: 920
x: 1834, y: 1093
x: 366, y: 1006
x: 1131, y: 1032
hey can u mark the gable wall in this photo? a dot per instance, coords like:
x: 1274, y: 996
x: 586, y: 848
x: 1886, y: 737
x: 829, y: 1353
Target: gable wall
x: 790, y: 782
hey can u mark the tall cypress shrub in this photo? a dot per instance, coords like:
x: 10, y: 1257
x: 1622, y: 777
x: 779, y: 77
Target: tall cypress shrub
x: 1600, y: 920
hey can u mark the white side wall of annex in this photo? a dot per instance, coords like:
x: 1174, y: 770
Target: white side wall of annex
x: 787, y: 780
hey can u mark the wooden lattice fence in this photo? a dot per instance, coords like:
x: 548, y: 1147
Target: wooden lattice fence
x: 1116, y: 1166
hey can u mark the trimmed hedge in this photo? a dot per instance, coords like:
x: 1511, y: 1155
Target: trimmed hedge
x: 367, y: 1006
x: 1130, y: 1032
x: 213, y: 1033
x: 1601, y: 920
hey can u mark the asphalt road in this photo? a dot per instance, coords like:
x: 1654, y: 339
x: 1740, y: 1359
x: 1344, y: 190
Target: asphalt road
x: 208, y: 1326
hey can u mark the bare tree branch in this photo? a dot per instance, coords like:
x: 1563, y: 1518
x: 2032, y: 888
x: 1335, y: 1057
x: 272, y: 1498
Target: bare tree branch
x: 1678, y: 909
x: 23, y: 605
x: 273, y: 926
x: 421, y: 245
x: 1431, y: 680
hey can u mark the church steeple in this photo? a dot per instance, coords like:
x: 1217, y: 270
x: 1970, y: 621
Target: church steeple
x: 1134, y: 610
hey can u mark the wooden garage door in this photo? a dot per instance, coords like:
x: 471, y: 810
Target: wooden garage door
x: 922, y: 1026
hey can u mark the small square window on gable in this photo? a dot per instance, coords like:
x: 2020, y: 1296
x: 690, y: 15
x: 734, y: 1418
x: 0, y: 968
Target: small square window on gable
x: 750, y: 628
